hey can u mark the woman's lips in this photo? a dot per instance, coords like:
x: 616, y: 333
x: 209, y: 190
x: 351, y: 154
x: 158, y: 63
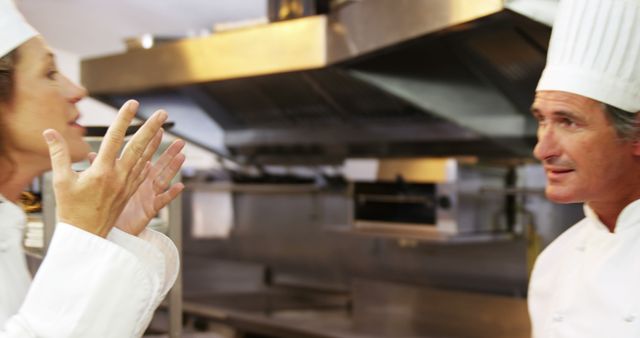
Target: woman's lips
x: 77, y: 126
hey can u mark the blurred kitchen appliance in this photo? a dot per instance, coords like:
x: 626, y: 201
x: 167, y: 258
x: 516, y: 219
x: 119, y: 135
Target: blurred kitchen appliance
x: 431, y: 196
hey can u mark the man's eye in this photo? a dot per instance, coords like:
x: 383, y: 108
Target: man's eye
x: 567, y: 122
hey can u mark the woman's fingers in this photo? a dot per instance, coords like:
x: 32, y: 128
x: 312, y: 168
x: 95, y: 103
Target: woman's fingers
x: 59, y: 153
x: 141, y: 177
x: 114, y: 138
x: 168, y: 173
x: 166, y: 197
x: 138, y: 144
x: 147, y: 155
x: 166, y: 157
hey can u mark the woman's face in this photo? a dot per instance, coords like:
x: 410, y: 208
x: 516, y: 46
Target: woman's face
x: 42, y: 99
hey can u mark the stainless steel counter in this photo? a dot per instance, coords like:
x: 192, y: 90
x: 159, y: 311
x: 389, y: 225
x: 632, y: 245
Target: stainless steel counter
x: 234, y: 294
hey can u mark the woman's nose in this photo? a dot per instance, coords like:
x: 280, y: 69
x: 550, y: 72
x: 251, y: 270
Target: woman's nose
x: 74, y: 92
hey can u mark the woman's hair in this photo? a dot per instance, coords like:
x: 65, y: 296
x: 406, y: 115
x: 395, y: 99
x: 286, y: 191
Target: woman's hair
x: 7, y: 86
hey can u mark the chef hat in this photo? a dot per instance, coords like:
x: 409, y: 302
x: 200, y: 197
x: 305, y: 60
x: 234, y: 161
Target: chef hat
x: 595, y: 52
x: 14, y: 30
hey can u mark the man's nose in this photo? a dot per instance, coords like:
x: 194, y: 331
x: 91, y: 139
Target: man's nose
x: 547, y: 146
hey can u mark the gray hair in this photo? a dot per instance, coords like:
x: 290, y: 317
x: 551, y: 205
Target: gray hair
x: 625, y: 123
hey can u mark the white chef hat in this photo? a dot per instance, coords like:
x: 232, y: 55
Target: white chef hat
x: 595, y: 52
x: 14, y: 29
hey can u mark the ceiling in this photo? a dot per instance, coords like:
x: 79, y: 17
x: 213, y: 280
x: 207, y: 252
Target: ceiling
x: 97, y: 27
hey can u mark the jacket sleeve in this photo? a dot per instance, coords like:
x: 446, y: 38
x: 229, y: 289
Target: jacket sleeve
x: 158, y: 253
x: 88, y: 286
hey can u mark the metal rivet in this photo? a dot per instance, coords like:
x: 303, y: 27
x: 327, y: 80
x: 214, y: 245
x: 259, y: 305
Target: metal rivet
x: 630, y: 318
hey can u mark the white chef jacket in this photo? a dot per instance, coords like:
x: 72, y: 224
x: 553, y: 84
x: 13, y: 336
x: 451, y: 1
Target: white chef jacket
x: 586, y: 283
x: 86, y: 286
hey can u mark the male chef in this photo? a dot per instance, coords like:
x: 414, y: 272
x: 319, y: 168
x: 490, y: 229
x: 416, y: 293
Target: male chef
x: 587, y: 282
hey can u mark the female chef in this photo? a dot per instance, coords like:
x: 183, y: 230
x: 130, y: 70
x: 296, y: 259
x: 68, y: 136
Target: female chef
x: 104, y: 272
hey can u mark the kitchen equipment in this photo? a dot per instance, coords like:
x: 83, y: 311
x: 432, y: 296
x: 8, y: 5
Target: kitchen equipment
x: 452, y: 197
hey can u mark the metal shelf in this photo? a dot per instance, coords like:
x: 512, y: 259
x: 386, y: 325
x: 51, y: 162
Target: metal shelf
x: 423, y: 235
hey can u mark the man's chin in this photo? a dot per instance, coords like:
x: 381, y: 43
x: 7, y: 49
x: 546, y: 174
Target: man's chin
x: 562, y: 197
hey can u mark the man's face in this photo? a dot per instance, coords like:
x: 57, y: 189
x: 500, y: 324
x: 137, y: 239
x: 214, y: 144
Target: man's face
x: 583, y: 157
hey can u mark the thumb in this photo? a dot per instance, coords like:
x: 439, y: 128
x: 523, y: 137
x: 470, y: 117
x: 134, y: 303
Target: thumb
x: 59, y: 153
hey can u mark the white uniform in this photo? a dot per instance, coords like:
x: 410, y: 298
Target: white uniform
x: 86, y: 286
x: 586, y: 284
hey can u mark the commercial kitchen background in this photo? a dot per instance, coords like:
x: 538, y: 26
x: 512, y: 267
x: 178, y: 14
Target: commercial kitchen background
x: 316, y: 249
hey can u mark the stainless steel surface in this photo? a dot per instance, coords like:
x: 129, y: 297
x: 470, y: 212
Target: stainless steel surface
x: 369, y: 25
x: 235, y: 54
x: 410, y: 236
x: 309, y: 236
x: 289, y: 249
x: 375, y: 309
x: 306, y: 43
x: 257, y: 188
x: 375, y: 78
x: 385, y: 309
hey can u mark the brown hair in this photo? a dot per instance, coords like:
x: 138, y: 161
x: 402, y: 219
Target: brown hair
x: 7, y: 66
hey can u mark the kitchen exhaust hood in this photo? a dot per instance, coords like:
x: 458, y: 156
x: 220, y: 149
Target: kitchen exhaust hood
x: 378, y: 78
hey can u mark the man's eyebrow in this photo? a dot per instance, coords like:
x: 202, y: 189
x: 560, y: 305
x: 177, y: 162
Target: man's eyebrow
x: 534, y: 111
x: 565, y: 113
x: 558, y: 113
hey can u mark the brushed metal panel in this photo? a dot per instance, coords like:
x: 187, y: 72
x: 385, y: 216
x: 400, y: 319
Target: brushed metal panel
x: 278, y: 47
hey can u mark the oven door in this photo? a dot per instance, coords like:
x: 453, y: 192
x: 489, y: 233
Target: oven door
x: 395, y: 205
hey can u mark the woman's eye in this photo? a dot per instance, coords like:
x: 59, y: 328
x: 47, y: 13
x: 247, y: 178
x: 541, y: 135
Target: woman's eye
x: 52, y: 74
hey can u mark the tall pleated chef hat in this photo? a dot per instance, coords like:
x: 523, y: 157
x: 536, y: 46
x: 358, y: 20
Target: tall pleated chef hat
x: 595, y: 52
x: 14, y: 29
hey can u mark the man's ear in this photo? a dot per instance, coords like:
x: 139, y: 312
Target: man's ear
x: 636, y: 148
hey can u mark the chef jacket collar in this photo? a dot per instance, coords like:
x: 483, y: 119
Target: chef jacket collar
x: 11, y: 215
x: 628, y: 218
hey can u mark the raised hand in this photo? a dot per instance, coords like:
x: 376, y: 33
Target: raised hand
x: 94, y: 198
x: 154, y: 193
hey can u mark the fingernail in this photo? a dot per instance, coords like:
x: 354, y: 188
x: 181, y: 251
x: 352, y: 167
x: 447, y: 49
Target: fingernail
x: 49, y: 136
x: 163, y: 115
x: 132, y: 104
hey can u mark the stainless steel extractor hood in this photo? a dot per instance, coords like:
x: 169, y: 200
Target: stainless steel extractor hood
x: 378, y: 78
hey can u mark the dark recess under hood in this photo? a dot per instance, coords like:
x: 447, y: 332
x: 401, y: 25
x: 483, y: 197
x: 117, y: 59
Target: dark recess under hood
x: 457, y: 87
